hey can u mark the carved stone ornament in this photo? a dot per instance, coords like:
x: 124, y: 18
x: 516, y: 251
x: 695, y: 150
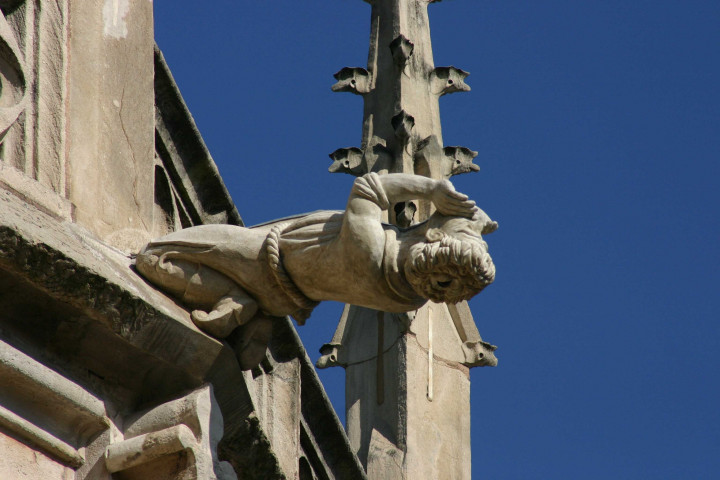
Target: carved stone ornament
x: 354, y: 80
x: 451, y: 160
x: 347, y: 160
x: 447, y: 80
x: 401, y: 49
x: 403, y: 124
x: 234, y: 276
x: 13, y: 88
x: 461, y: 159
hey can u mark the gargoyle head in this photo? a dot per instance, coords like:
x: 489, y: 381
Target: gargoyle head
x: 453, y: 263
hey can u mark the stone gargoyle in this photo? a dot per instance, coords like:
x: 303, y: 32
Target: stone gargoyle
x: 234, y: 276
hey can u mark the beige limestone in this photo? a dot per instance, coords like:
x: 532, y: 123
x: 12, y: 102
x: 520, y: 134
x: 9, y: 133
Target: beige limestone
x: 177, y: 439
x: 277, y: 398
x: 111, y: 119
x: 18, y: 461
x: 438, y: 431
x: 34, y: 145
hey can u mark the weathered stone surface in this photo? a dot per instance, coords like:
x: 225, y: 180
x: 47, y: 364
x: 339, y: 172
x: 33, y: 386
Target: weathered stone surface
x: 388, y: 385
x: 111, y: 118
x: 250, y: 441
x: 177, y: 439
x: 69, y: 415
x: 82, y: 302
x: 445, y: 80
x: 103, y: 155
x: 63, y: 262
x: 385, y: 459
x: 438, y: 431
x: 17, y: 460
x: 354, y: 80
x: 34, y: 95
x: 277, y: 399
x: 13, y: 96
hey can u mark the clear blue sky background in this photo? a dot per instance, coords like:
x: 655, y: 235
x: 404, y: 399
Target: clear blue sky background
x: 598, y: 126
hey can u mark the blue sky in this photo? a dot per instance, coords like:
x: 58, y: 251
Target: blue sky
x: 598, y: 127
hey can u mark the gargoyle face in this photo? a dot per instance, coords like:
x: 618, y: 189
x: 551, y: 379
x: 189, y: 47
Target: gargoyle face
x: 451, y: 269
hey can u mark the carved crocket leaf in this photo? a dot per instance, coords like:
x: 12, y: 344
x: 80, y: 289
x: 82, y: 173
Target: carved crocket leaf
x: 354, y: 80
x: 461, y: 160
x: 13, y: 94
x: 403, y: 124
x: 447, y: 80
x: 438, y: 162
x: 347, y: 160
x: 377, y: 156
x: 401, y: 49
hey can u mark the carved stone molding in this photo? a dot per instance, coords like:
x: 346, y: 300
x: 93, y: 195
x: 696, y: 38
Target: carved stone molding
x: 33, y: 61
x: 177, y: 439
x: 13, y: 86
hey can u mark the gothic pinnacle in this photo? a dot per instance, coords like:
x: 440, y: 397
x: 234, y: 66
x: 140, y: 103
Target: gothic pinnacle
x: 401, y: 88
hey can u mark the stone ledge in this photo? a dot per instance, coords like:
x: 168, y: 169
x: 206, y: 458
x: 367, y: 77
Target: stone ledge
x: 76, y: 305
x: 98, y: 292
x: 40, y: 438
x: 46, y: 408
x: 34, y: 192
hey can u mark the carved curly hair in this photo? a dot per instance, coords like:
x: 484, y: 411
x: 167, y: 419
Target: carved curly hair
x: 466, y: 263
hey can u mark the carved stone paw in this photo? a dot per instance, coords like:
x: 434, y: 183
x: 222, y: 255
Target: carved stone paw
x: 229, y: 313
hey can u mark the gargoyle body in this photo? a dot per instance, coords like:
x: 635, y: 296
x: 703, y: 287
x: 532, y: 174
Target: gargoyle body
x: 233, y: 275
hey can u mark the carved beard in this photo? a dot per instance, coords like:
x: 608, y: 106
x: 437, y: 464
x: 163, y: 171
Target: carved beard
x: 449, y: 270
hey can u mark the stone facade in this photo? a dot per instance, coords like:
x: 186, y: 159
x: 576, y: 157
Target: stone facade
x: 101, y: 375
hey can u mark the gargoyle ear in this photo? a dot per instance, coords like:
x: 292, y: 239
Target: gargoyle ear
x: 434, y: 235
